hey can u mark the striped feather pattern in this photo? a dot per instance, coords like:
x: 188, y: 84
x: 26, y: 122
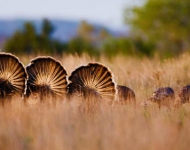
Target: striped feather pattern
x: 12, y: 75
x: 46, y: 75
x: 93, y: 79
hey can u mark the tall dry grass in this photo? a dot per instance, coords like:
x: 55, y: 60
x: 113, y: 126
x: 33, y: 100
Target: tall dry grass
x: 41, y: 126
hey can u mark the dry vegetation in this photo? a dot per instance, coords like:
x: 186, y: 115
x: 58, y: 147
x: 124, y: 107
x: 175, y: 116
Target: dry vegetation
x: 41, y: 126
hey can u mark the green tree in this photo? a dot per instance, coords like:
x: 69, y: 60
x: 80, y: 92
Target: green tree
x: 85, y: 41
x: 46, y: 44
x: 29, y: 41
x: 85, y: 31
x: 15, y: 43
x: 47, y: 28
x: 165, y: 23
x: 104, y: 34
x: 29, y: 36
x: 22, y: 41
x: 80, y: 46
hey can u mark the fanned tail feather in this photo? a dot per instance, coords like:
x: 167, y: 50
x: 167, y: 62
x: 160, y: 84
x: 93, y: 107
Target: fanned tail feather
x: 92, y: 81
x: 46, y: 76
x: 12, y: 76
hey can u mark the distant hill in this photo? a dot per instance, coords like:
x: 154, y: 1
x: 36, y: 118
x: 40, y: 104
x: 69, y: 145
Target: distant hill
x: 64, y: 29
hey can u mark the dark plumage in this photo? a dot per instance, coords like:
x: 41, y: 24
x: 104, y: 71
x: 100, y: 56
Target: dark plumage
x: 184, y: 94
x: 12, y: 76
x: 163, y: 96
x: 125, y: 95
x: 93, y: 82
x: 46, y: 77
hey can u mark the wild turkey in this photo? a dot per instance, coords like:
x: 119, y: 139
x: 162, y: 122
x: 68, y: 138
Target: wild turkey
x: 46, y: 77
x: 164, y: 96
x: 125, y: 95
x: 90, y: 85
x: 184, y: 94
x: 12, y: 77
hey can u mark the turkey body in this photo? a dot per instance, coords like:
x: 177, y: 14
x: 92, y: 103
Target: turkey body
x: 125, y: 95
x: 184, y: 94
x: 164, y: 96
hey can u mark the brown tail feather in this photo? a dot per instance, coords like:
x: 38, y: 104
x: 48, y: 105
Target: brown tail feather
x: 12, y: 76
x: 95, y: 79
x: 46, y: 76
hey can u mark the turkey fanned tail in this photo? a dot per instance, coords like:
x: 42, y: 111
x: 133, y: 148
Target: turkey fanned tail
x: 12, y: 76
x: 46, y: 76
x: 93, y: 80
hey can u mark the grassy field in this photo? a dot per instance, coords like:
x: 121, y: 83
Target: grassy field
x: 122, y: 127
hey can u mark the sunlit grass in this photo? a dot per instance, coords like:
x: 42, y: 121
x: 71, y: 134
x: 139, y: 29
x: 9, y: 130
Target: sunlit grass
x: 42, y: 126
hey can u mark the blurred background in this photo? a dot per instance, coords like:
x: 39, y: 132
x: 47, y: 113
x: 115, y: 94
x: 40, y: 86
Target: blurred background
x: 140, y: 28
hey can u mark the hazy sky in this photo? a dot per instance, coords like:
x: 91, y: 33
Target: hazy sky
x: 108, y: 12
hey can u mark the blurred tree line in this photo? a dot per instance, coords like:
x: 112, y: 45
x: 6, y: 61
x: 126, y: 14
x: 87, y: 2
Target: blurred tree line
x: 29, y: 41
x: 156, y: 28
x: 163, y: 24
